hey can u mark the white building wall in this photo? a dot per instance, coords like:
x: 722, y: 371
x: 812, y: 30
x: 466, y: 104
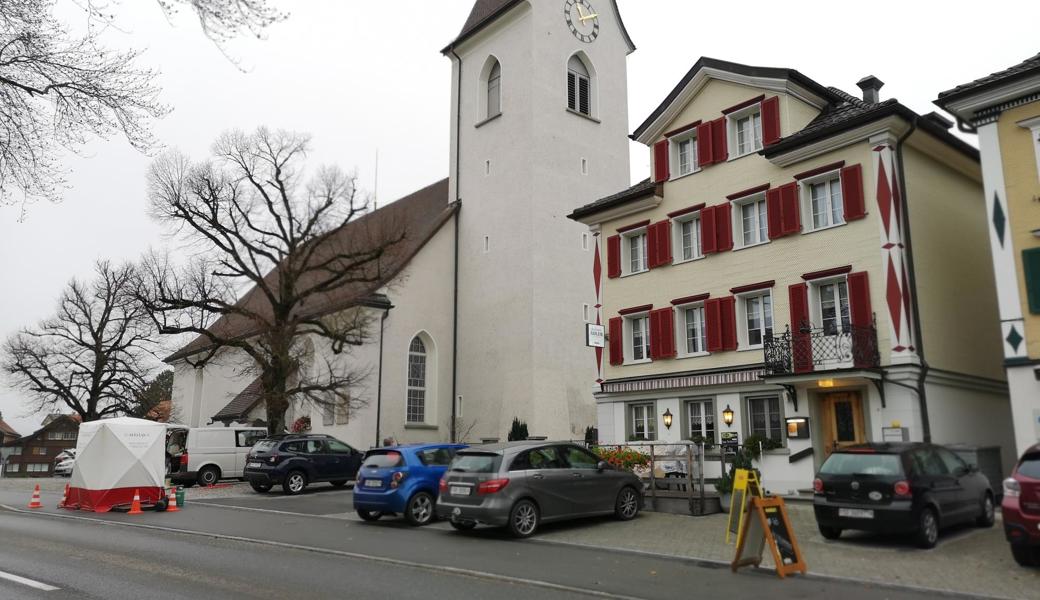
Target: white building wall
x: 1025, y: 406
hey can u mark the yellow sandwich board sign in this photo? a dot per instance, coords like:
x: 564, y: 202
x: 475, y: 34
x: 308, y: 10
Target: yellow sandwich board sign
x: 767, y: 525
x: 745, y: 485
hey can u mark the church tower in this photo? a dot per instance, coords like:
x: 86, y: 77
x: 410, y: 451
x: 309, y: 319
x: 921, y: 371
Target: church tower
x: 539, y: 127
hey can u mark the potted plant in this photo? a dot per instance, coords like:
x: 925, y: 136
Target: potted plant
x: 724, y: 486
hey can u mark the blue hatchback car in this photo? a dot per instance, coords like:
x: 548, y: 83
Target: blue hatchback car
x: 402, y: 479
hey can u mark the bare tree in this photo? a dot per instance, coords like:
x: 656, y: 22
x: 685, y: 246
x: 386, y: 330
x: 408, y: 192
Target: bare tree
x: 59, y: 90
x: 94, y: 356
x: 308, y: 258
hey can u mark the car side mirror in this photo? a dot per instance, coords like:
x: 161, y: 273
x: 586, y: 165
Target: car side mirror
x: 602, y: 466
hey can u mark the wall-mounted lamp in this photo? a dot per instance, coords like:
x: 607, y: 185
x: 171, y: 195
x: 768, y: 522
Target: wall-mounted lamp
x: 667, y: 418
x: 825, y: 383
x: 727, y: 416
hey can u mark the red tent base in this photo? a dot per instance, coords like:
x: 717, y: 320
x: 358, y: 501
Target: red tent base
x: 105, y: 500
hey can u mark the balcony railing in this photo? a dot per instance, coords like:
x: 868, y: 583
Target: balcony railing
x: 814, y: 349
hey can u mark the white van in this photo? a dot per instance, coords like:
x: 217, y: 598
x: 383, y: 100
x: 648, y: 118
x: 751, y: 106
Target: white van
x: 205, y: 455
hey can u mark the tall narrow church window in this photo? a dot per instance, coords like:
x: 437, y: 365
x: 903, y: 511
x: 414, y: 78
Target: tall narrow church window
x: 579, y: 86
x: 416, y: 409
x: 494, y: 91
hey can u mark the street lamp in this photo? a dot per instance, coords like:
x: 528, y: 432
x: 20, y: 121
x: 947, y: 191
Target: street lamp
x: 727, y: 416
x: 667, y: 418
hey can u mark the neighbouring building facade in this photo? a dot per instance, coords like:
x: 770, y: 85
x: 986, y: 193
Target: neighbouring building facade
x: 1004, y: 110
x: 34, y: 454
x: 483, y: 318
x: 811, y: 263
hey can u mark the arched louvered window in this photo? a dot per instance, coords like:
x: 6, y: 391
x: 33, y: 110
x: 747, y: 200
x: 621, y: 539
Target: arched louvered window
x: 579, y: 86
x: 416, y: 408
x: 494, y: 90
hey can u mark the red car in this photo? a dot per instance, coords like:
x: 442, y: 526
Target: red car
x: 1021, y: 509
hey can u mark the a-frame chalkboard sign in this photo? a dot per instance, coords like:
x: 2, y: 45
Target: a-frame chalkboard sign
x: 766, y: 524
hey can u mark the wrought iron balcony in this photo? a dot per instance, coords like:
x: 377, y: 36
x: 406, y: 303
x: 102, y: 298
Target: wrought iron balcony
x: 812, y: 349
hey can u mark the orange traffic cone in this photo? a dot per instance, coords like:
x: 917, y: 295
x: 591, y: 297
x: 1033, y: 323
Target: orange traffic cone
x: 135, y: 506
x: 64, y: 497
x: 172, y: 506
x: 35, y: 502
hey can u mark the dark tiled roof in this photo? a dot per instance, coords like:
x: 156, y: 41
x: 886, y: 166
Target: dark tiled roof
x: 418, y: 216
x: 639, y: 190
x: 6, y: 430
x: 240, y: 406
x: 1023, y: 69
x: 748, y: 70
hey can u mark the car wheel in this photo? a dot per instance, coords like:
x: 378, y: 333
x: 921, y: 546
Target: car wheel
x: 463, y: 525
x: 369, y: 515
x: 339, y: 483
x: 420, y: 509
x: 523, y: 519
x: 208, y: 475
x: 927, y: 528
x: 1026, y: 556
x: 626, y: 507
x: 986, y: 517
x: 262, y: 488
x: 295, y: 482
x: 830, y: 533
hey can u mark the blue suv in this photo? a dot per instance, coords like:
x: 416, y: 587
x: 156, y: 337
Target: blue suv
x: 402, y: 479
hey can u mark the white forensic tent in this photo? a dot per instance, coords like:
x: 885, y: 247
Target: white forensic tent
x: 114, y: 459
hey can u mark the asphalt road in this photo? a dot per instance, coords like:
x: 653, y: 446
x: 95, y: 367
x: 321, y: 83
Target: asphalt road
x: 99, y: 557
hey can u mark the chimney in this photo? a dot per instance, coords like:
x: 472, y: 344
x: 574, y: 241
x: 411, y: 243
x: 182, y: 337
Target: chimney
x: 871, y: 86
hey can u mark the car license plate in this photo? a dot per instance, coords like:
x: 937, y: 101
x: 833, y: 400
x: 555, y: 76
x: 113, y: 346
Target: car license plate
x: 373, y: 483
x: 460, y: 490
x: 254, y: 465
x: 856, y: 513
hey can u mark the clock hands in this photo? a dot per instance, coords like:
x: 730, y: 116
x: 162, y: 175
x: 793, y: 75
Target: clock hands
x: 583, y: 16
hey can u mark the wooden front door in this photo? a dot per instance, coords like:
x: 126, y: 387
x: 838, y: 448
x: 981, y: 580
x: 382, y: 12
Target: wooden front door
x: 842, y: 416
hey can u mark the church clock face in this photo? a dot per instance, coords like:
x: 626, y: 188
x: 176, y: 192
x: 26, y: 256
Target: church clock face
x: 582, y: 20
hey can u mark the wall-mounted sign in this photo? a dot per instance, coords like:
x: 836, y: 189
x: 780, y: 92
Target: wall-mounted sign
x: 797, y: 428
x: 595, y: 335
x: 729, y: 438
x: 895, y: 434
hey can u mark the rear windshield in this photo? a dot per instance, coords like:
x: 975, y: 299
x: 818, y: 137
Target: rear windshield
x: 1030, y: 466
x: 382, y: 459
x: 476, y: 463
x: 436, y: 457
x: 849, y: 463
x: 264, y: 445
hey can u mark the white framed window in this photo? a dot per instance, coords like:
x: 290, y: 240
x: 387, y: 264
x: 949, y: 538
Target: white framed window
x: 416, y: 404
x: 494, y: 91
x: 643, y: 421
x: 328, y: 414
x: 586, y: 312
x: 16, y: 451
x: 343, y: 411
x: 822, y: 199
x: 693, y: 340
x: 684, y: 150
x: 756, y: 318
x: 13, y: 467
x: 579, y: 87
x: 584, y: 240
x: 635, y: 251
x: 37, y: 467
x: 687, y: 236
x: 832, y: 306
x: 700, y: 419
x: 638, y: 330
x: 745, y: 131
x: 752, y: 222
x: 765, y: 418
x: 39, y: 451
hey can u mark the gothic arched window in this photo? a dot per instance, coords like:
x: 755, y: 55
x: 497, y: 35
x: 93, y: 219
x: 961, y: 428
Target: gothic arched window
x: 494, y: 90
x: 416, y: 407
x: 579, y: 86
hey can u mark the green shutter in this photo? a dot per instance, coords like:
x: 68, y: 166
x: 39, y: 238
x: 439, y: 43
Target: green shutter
x: 1031, y: 266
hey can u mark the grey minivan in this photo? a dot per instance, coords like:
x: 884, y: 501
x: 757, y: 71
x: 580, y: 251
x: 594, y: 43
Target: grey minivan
x: 519, y: 485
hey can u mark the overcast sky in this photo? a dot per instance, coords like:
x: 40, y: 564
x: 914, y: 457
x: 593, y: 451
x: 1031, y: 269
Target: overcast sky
x: 364, y: 77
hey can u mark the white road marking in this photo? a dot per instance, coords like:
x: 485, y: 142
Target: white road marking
x: 28, y: 582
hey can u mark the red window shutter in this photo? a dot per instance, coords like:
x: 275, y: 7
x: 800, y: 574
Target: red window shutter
x: 617, y: 352
x: 718, y: 140
x: 661, y: 161
x: 704, y: 155
x: 771, y: 120
x: 776, y: 228
x: 651, y: 245
x: 664, y: 242
x: 728, y: 310
x: 709, y: 243
x: 723, y: 227
x: 662, y: 334
x: 790, y: 213
x: 801, y: 343
x: 713, y: 324
x: 614, y: 256
x: 852, y: 192
x: 859, y: 300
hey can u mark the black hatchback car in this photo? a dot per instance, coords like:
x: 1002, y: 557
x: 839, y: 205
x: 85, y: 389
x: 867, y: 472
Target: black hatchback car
x: 912, y: 488
x: 295, y: 461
